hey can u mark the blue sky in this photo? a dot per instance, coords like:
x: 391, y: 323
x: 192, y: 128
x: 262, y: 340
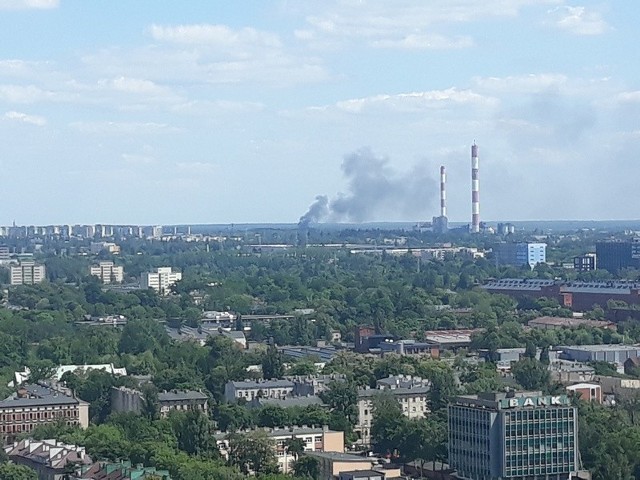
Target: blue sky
x: 216, y: 111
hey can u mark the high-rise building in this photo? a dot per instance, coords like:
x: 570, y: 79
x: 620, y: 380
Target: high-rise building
x: 585, y: 263
x: 520, y: 254
x: 27, y: 272
x: 520, y: 436
x: 160, y: 279
x: 616, y: 255
x: 107, y: 272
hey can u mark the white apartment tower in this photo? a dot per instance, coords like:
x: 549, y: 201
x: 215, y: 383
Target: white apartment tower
x: 160, y: 279
x: 27, y: 272
x: 107, y: 272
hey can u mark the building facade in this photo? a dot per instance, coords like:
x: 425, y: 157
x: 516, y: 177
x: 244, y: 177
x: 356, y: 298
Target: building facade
x: 51, y: 459
x: 585, y: 263
x: 27, y: 272
x: 520, y: 254
x: 250, y: 389
x: 315, y: 439
x: 33, y: 405
x: 160, y: 280
x: 125, y: 399
x: 524, y: 435
x: 613, y: 256
x: 412, y: 395
x: 107, y: 272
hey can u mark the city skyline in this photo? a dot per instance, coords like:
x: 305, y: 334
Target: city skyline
x: 213, y: 112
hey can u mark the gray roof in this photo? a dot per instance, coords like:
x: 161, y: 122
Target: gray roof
x: 259, y: 384
x: 39, y: 396
x: 302, y: 401
x: 181, y: 395
x: 372, y: 392
x: 340, y: 457
x: 279, y: 432
x: 616, y: 347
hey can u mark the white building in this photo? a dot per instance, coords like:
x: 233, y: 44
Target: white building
x: 107, y: 272
x: 411, y: 393
x: 250, y: 389
x: 160, y: 279
x: 27, y: 272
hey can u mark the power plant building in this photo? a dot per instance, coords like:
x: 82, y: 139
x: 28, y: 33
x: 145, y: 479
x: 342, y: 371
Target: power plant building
x: 515, y: 435
x: 441, y: 224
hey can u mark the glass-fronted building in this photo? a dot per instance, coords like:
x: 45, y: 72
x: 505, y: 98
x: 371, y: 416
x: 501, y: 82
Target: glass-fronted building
x: 523, y: 435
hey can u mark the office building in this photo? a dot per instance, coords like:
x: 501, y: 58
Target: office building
x: 524, y: 436
x: 27, y: 272
x: 34, y: 405
x: 613, y: 256
x: 520, y: 254
x: 107, y: 272
x: 160, y: 280
x: 585, y: 263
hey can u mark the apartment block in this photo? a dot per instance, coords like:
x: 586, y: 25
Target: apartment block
x: 51, y: 459
x: 107, y: 272
x: 316, y: 439
x: 27, y: 272
x: 250, y: 389
x: 35, y: 405
x: 125, y: 399
x: 160, y: 280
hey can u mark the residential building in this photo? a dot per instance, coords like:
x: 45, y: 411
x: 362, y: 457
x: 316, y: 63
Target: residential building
x: 613, y: 256
x: 411, y: 394
x: 5, y: 254
x: 410, y: 347
x: 316, y: 439
x: 108, y: 247
x: 107, y: 272
x: 568, y: 372
x: 520, y: 254
x: 250, y: 389
x: 34, y: 405
x: 27, y: 272
x: 160, y: 280
x: 49, y: 458
x: 313, y: 384
x: 302, y: 401
x: 523, y: 435
x: 585, y: 263
x: 590, y: 392
x: 125, y: 399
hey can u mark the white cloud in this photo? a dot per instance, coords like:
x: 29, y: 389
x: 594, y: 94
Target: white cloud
x: 24, y: 118
x: 138, y: 159
x: 124, y: 127
x: 578, y: 20
x: 28, y: 4
x: 216, y: 36
x: 629, y: 97
x: 532, y: 83
x: 195, y: 167
x: 402, y: 23
x: 414, y: 101
x: 424, y: 41
x: 25, y: 94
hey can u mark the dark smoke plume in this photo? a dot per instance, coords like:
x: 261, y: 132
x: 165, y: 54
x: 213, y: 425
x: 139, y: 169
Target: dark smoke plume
x: 375, y: 191
x: 317, y: 211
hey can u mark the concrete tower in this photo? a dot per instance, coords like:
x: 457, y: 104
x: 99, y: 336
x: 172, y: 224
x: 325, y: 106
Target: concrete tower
x: 475, y: 190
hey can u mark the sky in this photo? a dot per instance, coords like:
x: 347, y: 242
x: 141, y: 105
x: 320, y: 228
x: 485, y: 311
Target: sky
x: 212, y: 111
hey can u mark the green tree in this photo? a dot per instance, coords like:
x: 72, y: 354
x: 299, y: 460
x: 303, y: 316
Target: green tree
x: 252, y: 452
x: 11, y: 471
x: 387, y: 427
x: 294, y: 446
x: 194, y: 433
x: 531, y: 374
x: 272, y: 364
x: 306, y: 467
x: 150, y: 402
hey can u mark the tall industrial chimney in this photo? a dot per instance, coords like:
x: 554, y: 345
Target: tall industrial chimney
x: 475, y: 190
x: 443, y: 192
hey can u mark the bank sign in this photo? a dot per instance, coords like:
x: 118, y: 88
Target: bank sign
x: 544, y: 401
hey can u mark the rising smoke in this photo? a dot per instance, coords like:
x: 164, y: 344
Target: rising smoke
x: 376, y: 191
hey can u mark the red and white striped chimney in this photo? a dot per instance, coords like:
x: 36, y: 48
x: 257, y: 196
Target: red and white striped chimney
x: 475, y: 190
x: 443, y: 192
